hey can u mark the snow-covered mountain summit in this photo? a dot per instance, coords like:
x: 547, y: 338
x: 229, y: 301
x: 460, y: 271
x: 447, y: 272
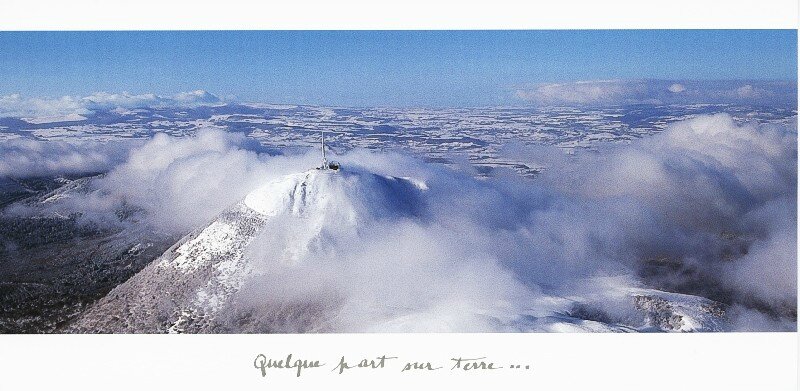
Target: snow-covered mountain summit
x: 192, y: 282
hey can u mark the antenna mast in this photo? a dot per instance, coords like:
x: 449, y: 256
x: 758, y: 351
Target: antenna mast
x: 324, y: 159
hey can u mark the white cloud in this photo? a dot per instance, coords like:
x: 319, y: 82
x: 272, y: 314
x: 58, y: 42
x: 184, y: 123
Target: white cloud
x: 70, y: 108
x: 581, y: 92
x: 22, y: 157
x: 750, y: 93
x: 17, y: 106
x: 616, y: 92
x: 716, y: 198
x: 196, y: 97
x: 676, y: 88
x: 184, y: 182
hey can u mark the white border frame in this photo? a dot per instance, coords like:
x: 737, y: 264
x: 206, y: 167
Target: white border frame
x: 408, y: 14
x: 729, y: 361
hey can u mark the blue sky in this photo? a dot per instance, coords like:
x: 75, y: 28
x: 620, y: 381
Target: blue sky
x: 393, y: 68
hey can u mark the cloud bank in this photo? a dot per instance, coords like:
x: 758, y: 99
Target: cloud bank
x: 180, y: 183
x: 707, y: 208
x: 707, y: 197
x: 23, y: 157
x: 623, y: 92
x: 74, y: 108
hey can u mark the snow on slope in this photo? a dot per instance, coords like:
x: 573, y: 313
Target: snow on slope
x: 284, y: 260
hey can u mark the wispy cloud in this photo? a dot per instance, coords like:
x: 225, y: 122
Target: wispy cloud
x: 619, y: 92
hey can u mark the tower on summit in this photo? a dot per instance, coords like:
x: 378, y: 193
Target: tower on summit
x: 325, y: 164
